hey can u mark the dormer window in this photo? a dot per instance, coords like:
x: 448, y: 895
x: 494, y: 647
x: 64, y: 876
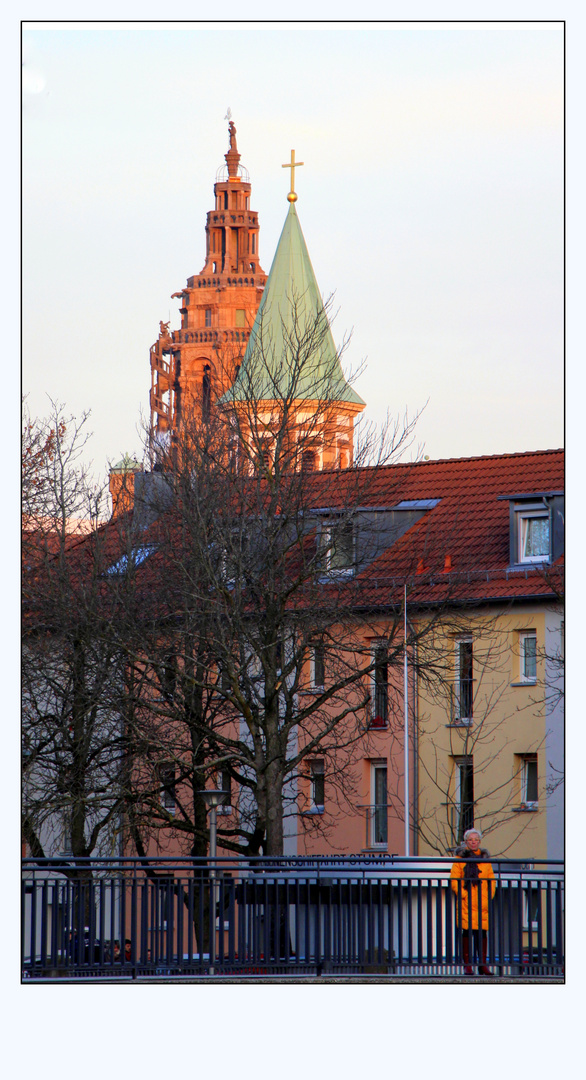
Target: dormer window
x: 533, y: 533
x: 536, y: 527
x: 337, y: 546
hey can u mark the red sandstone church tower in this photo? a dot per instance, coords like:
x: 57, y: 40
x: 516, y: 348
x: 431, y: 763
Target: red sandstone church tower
x: 193, y: 366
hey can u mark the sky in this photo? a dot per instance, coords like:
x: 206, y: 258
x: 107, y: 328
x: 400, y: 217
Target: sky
x: 431, y: 201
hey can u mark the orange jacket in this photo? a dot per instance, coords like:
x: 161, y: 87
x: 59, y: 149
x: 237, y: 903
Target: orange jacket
x: 470, y: 890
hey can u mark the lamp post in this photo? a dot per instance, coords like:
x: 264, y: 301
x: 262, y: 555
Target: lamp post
x: 213, y: 798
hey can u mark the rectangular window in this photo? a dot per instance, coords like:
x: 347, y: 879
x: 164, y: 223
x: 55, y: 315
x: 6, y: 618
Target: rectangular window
x: 318, y: 666
x: 337, y: 545
x: 208, y: 316
x: 167, y: 782
x: 528, y: 656
x: 463, y: 808
x: 529, y: 780
x: 379, y: 808
x: 380, y: 687
x: 533, y: 536
x: 531, y: 906
x: 240, y: 317
x: 225, y: 784
x: 464, y: 689
x: 317, y: 781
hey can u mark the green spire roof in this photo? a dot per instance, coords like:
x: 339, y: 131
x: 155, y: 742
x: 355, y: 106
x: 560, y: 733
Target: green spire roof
x: 291, y: 352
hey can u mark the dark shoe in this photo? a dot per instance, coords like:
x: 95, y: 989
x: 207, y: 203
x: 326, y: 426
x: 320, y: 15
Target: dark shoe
x: 468, y: 970
x: 483, y: 970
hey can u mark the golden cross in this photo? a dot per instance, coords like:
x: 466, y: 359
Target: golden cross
x: 292, y: 197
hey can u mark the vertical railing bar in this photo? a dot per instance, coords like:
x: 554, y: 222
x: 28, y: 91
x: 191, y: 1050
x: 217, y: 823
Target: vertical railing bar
x: 34, y: 924
x: 400, y: 920
x: 548, y: 926
x: 133, y: 920
x: 560, y: 944
x: 410, y: 927
x: 538, y: 890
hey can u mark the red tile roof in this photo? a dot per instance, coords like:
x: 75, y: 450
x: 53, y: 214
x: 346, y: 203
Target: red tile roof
x: 470, y: 524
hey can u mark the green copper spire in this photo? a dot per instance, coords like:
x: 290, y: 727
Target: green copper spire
x: 291, y: 352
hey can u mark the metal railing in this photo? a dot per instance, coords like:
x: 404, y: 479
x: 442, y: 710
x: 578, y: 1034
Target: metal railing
x: 350, y: 916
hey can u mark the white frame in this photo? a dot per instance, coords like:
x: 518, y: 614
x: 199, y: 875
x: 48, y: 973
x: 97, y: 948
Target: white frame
x: 327, y: 545
x: 459, y: 762
x: 467, y: 720
x: 530, y: 513
x: 165, y: 794
x: 316, y: 768
x: 373, y: 713
x: 528, y: 890
x: 374, y: 767
x: 527, y: 760
x: 524, y: 637
x: 314, y: 683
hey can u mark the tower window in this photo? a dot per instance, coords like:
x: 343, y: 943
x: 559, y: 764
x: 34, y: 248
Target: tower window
x: 308, y: 460
x: 208, y: 316
x: 206, y: 393
x: 253, y: 249
x: 240, y: 317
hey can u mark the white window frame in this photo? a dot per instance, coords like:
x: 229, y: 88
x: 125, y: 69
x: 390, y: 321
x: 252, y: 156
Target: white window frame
x: 316, y: 769
x: 327, y: 546
x: 375, y: 766
x: 458, y: 718
x: 524, y: 516
x: 524, y: 637
x: 168, y: 798
x: 529, y: 891
x: 318, y: 685
x: 459, y: 763
x: 225, y: 808
x: 374, y: 715
x: 526, y: 761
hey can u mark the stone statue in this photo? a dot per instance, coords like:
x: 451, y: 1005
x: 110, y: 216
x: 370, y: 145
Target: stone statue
x: 232, y: 133
x: 164, y: 328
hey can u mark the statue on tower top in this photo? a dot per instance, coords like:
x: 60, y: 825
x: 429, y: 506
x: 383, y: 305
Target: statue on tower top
x: 232, y: 133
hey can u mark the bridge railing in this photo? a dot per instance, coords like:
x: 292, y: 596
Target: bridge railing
x: 356, y: 916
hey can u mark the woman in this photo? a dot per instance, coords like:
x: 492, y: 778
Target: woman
x: 471, y: 881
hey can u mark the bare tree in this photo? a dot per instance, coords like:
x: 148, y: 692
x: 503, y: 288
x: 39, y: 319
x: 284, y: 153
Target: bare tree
x: 257, y: 565
x: 72, y: 669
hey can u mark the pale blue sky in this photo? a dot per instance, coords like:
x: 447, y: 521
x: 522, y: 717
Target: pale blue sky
x: 430, y: 200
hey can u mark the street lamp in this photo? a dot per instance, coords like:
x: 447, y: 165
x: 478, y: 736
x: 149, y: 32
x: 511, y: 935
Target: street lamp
x: 213, y: 798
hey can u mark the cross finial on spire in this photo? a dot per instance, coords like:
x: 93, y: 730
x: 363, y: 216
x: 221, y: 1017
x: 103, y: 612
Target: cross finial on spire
x: 292, y: 197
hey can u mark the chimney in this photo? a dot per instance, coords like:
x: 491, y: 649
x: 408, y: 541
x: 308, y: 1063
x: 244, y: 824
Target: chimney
x: 121, y: 484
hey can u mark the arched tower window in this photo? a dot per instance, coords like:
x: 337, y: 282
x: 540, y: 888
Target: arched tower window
x: 206, y: 393
x: 308, y: 460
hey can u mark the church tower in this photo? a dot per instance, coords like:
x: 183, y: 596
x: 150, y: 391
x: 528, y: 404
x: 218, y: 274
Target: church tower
x: 292, y: 367
x: 193, y: 366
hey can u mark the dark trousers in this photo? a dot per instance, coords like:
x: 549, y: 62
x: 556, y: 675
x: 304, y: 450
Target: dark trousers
x: 471, y: 938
